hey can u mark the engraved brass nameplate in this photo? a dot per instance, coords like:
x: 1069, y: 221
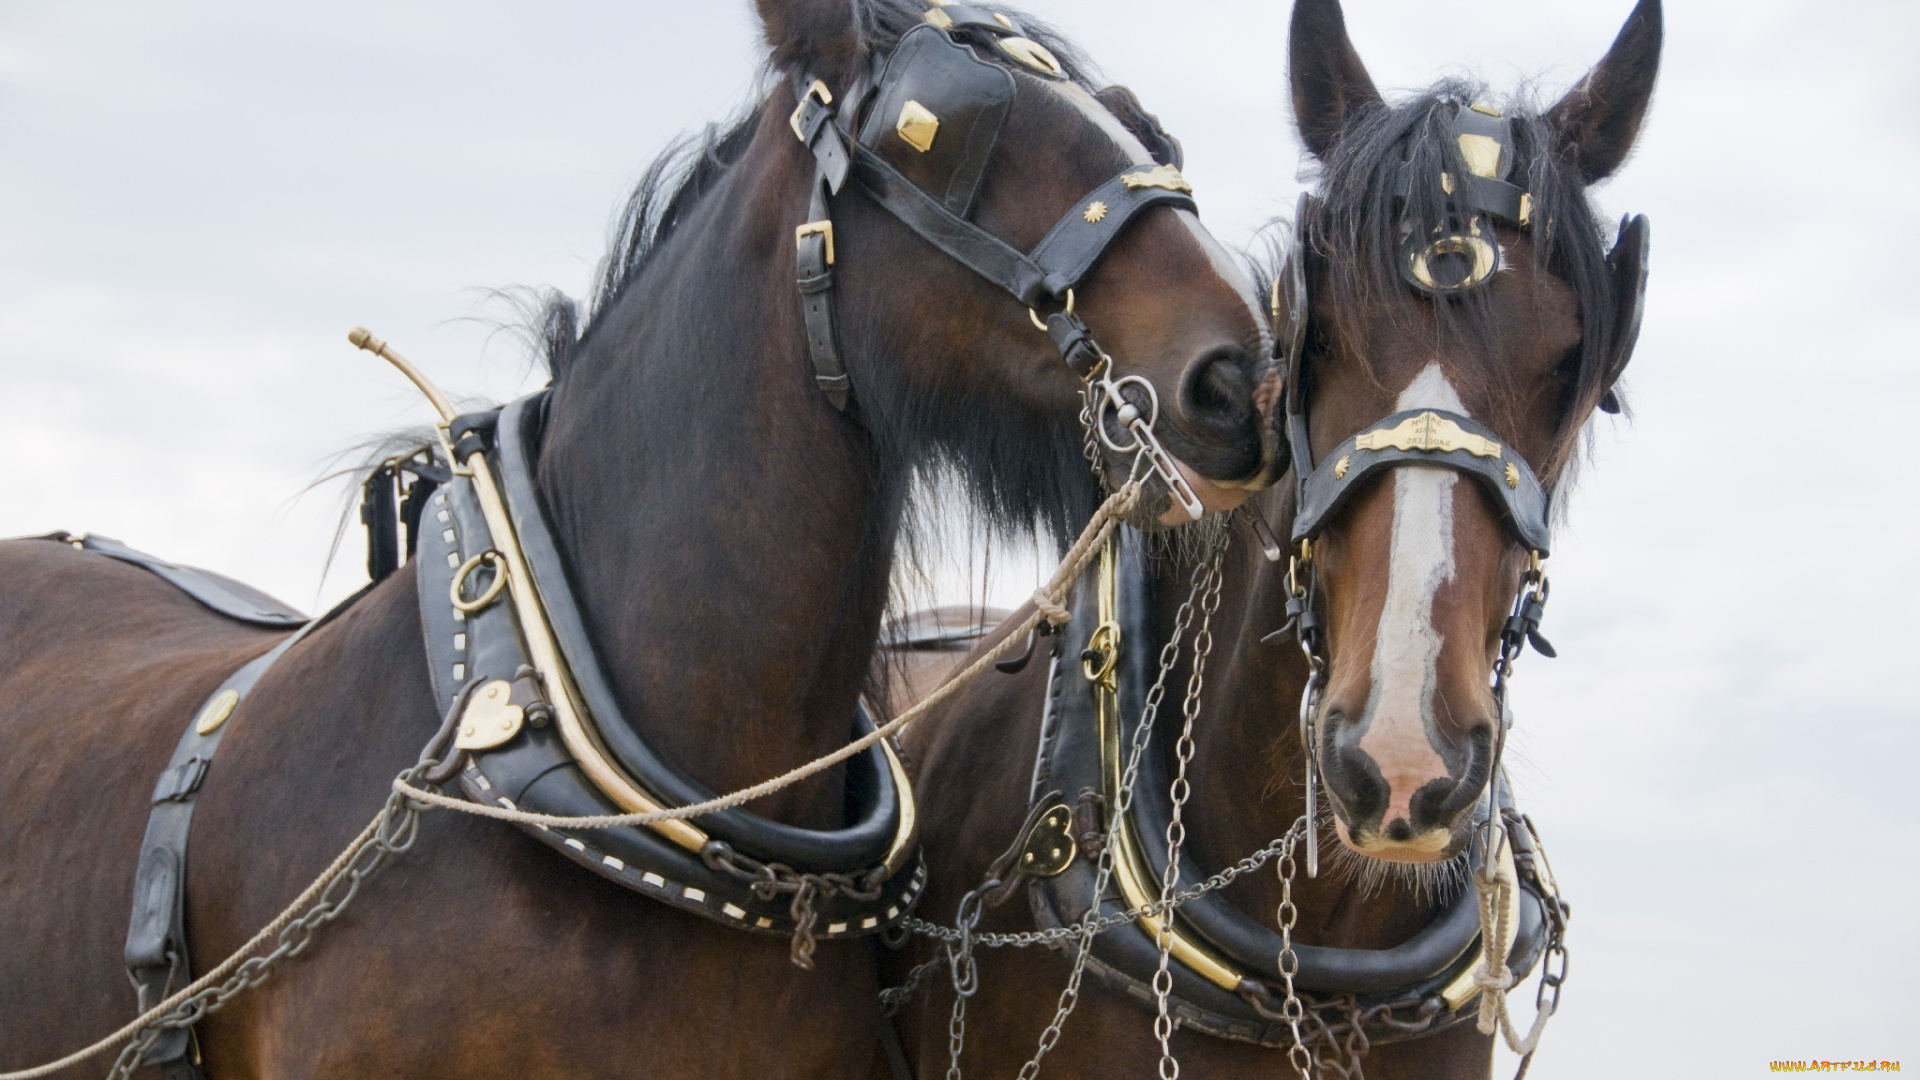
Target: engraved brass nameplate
x: 1428, y: 431
x: 1160, y: 176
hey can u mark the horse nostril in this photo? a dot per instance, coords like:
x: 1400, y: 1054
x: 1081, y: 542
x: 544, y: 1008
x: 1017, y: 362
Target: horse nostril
x: 1218, y: 388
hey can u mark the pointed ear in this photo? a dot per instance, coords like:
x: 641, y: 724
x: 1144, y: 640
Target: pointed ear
x: 813, y: 37
x: 1599, y: 119
x: 1330, y: 84
x: 1144, y: 125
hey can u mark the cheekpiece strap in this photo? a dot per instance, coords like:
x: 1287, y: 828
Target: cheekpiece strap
x: 1426, y: 437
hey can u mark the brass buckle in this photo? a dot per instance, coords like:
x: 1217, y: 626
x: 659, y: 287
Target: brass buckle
x: 824, y: 228
x: 817, y: 90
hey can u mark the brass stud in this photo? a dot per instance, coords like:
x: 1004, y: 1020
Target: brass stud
x: 1003, y: 20
x: 1482, y: 155
x: 1034, y: 55
x: 216, y: 712
x: 1484, y: 108
x: 1526, y: 208
x: 917, y: 126
x: 1513, y: 476
x: 1095, y: 212
x: 1340, y: 467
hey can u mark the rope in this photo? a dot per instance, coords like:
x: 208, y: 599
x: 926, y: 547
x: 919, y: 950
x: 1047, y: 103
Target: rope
x: 152, y: 1016
x: 1495, y: 885
x: 1117, y: 506
x: 1047, y: 606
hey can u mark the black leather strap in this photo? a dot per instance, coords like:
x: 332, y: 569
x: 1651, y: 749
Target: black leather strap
x: 1506, y: 475
x: 156, y: 952
x: 974, y: 247
x: 234, y: 599
x: 1069, y: 252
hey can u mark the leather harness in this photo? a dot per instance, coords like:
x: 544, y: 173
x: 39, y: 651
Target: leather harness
x: 940, y: 69
x: 1417, y: 987
x: 853, y: 881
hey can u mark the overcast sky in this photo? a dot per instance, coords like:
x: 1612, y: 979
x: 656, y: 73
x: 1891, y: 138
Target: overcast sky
x: 198, y: 199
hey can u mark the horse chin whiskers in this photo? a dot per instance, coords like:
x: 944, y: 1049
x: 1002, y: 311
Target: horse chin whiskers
x: 1436, y: 882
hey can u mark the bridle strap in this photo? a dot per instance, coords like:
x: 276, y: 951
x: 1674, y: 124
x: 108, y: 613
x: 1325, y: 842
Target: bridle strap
x: 813, y: 122
x: 1434, y: 437
x: 1062, y: 259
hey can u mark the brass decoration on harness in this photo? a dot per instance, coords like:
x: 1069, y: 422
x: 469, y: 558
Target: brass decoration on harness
x: 1161, y: 176
x: 917, y: 126
x: 1428, y: 431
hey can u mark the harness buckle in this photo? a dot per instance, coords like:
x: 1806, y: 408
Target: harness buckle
x: 817, y: 92
x: 823, y: 228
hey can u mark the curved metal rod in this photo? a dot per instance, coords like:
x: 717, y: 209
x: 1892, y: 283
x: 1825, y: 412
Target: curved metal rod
x: 362, y: 338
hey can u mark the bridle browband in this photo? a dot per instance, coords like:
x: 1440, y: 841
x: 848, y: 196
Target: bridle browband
x: 923, y: 165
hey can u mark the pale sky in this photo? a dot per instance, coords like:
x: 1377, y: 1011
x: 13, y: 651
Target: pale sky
x: 198, y: 199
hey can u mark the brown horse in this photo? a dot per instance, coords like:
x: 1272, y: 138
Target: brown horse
x: 729, y: 531
x: 1413, y: 579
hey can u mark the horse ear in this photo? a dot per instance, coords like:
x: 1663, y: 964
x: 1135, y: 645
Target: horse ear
x: 1144, y: 125
x: 1599, y: 119
x: 1330, y: 84
x: 814, y: 37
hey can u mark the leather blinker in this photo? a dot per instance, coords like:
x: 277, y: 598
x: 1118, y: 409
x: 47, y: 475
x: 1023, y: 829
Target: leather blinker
x: 969, y: 98
x: 1627, y: 267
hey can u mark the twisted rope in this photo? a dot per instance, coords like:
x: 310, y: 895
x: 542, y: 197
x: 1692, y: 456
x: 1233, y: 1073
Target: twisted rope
x: 1047, y: 605
x: 267, y: 933
x: 1495, y: 884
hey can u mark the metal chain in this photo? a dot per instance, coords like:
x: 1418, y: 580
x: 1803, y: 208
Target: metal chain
x: 1291, y: 1008
x: 1178, y: 793
x: 1099, y: 924
x: 1116, y: 814
x: 398, y: 828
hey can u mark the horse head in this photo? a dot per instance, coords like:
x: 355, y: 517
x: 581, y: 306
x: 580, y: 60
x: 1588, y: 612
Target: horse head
x: 1458, y: 320
x: 980, y: 135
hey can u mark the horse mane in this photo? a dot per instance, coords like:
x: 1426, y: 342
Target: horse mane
x: 690, y: 166
x: 1355, y: 225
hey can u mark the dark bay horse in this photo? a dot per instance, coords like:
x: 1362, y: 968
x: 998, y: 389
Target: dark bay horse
x: 1413, y: 578
x: 728, y: 527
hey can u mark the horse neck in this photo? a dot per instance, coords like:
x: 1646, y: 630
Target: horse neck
x: 729, y: 534
x: 1249, y: 765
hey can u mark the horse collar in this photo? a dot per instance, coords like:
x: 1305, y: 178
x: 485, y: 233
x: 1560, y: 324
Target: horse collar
x: 734, y: 867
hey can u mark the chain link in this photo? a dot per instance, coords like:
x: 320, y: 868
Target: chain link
x: 1116, y: 814
x: 398, y: 828
x: 1178, y: 792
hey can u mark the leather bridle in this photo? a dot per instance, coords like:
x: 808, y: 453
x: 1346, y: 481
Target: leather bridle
x: 933, y: 111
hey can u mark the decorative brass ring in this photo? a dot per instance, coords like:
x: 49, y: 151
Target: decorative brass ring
x: 1104, y: 640
x: 1485, y: 261
x: 457, y: 591
x: 1038, y: 323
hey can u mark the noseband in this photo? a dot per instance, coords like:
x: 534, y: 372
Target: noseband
x: 934, y: 110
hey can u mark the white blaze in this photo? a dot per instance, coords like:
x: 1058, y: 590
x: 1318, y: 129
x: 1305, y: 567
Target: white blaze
x: 1406, y: 650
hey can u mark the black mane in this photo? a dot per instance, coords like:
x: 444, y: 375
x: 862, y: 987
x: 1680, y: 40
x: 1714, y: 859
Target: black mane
x: 1356, y: 221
